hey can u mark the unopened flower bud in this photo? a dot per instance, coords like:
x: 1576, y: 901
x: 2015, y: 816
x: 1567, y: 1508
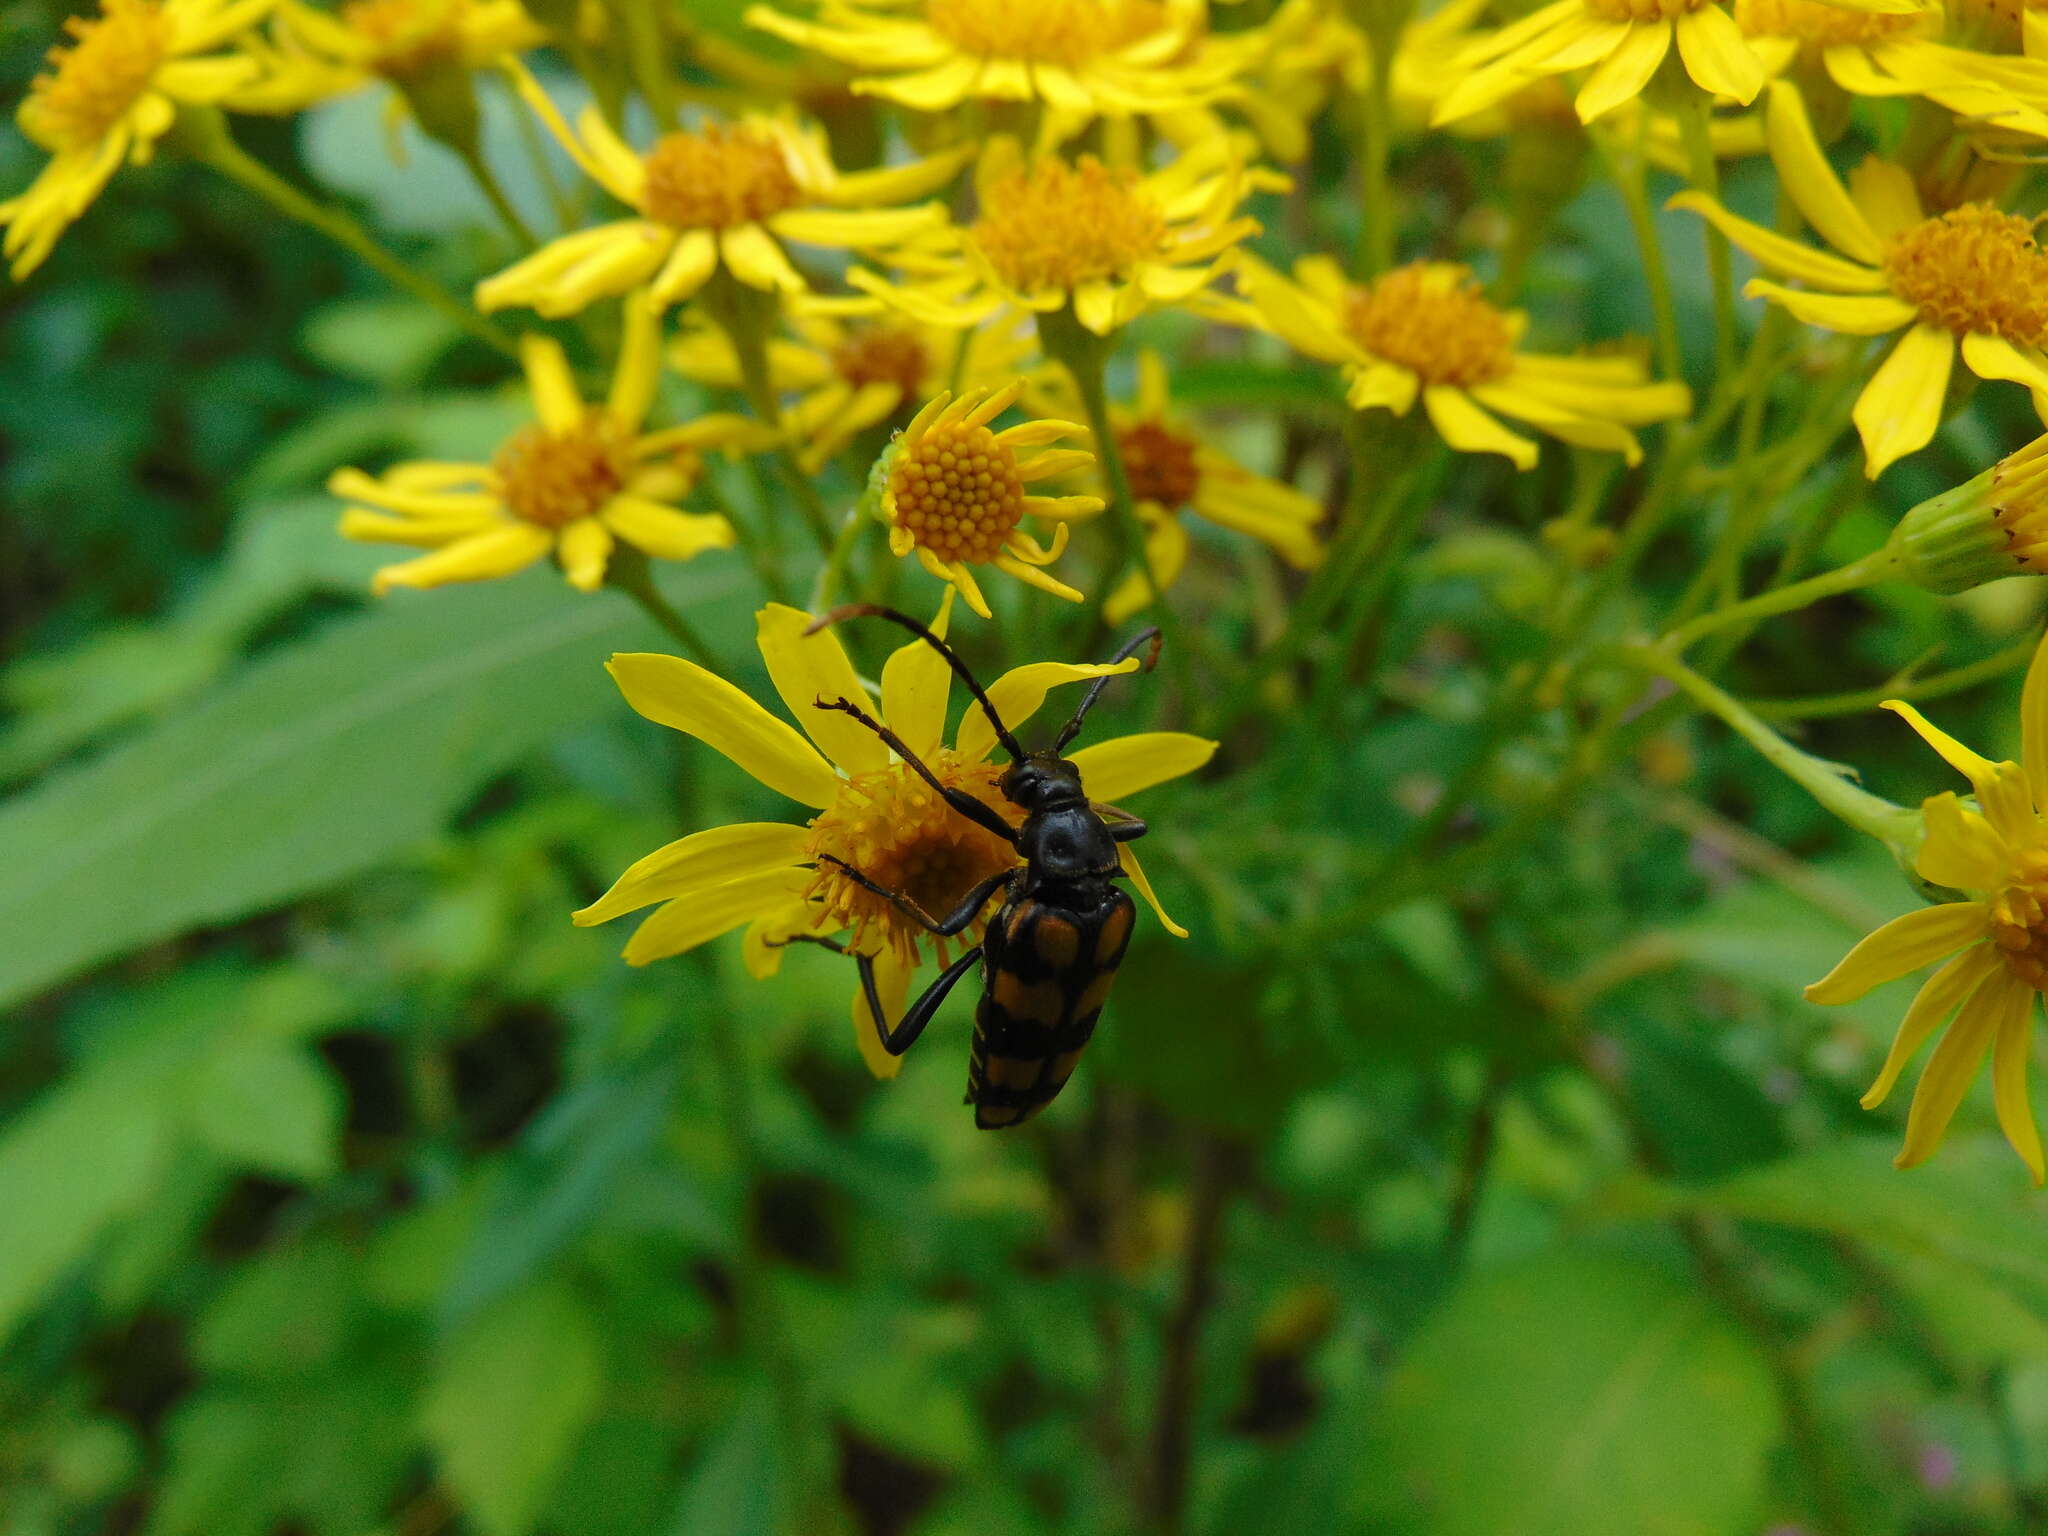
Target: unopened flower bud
x: 1991, y: 527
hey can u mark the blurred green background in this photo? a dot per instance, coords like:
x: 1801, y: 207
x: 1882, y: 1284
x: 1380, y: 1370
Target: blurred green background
x: 345, y: 1188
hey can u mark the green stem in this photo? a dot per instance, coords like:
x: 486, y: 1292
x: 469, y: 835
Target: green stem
x: 1695, y: 122
x: 494, y: 192
x: 1940, y: 685
x: 1872, y: 567
x: 629, y: 572
x: 1630, y: 177
x: 1084, y: 355
x: 641, y: 23
x: 205, y: 134
x: 825, y: 590
x: 745, y: 317
x: 1375, y: 152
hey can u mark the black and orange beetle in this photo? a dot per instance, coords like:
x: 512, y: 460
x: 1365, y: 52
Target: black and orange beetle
x: 1051, y: 953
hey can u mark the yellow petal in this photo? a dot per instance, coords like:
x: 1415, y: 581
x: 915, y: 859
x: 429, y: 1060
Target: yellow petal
x: 1885, y: 195
x: 1787, y: 258
x: 2009, y: 1080
x: 697, y: 863
x: 555, y: 400
x: 685, y: 697
x: 639, y: 369
x: 1470, y: 430
x: 1124, y: 766
x: 2001, y: 787
x: 753, y: 257
x: 1961, y: 850
x: 685, y: 269
x: 1973, y: 766
x: 1851, y: 314
x: 1017, y: 695
x: 1136, y: 871
x: 663, y: 532
x: 892, y: 986
x: 2034, y: 725
x: 1937, y: 998
x: 498, y: 551
x: 1811, y: 182
x: 1902, y: 945
x: 1900, y: 407
x: 916, y: 683
x: 1717, y: 56
x: 1381, y: 384
x: 682, y: 925
x: 807, y: 668
x: 1624, y: 72
x: 1993, y: 357
x: 1951, y: 1067
x: 584, y: 548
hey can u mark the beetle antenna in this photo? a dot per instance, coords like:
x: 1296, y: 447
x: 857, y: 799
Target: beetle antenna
x: 877, y: 611
x: 1127, y: 650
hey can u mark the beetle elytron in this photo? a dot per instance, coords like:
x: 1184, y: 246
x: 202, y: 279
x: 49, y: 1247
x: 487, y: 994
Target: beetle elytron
x: 1050, y: 954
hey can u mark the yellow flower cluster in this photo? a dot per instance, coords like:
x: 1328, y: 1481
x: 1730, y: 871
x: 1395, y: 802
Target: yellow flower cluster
x: 925, y: 290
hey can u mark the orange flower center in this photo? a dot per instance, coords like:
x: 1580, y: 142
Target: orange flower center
x: 889, y: 825
x: 1159, y: 464
x: 554, y: 479
x: 406, y: 36
x: 881, y: 354
x: 1813, y: 22
x: 1063, y: 32
x: 717, y: 178
x: 1644, y: 10
x: 957, y: 491
x: 2019, y: 918
x: 1974, y: 269
x: 1433, y: 321
x: 1058, y: 226
x: 99, y: 77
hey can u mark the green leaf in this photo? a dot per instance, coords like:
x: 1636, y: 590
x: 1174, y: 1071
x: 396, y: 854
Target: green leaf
x: 81, y: 1158
x: 1578, y: 1394
x: 269, y: 1106
x: 313, y: 765
x: 282, y: 1315
x: 514, y: 1390
x: 740, y: 1487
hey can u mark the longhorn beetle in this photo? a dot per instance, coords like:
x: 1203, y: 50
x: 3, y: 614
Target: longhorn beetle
x: 1048, y: 958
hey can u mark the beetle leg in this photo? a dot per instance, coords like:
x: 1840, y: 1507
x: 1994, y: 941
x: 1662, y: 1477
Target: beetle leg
x: 953, y: 922
x: 1123, y: 826
x: 900, y: 1039
x: 976, y: 812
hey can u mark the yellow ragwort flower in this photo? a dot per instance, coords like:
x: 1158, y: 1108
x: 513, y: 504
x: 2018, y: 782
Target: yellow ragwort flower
x: 1172, y: 470
x: 871, y: 811
x: 722, y: 194
x: 1996, y: 854
x: 1426, y: 329
x: 1623, y: 42
x: 1897, y: 55
x: 953, y: 492
x: 850, y: 372
x: 578, y: 480
x: 1107, y: 241
x: 316, y: 55
x: 111, y: 93
x: 1972, y: 276
x: 1086, y: 58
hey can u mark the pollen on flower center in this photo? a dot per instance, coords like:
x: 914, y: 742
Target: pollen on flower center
x: 555, y: 479
x: 717, y: 178
x: 957, y: 491
x: 882, y: 354
x: 893, y: 828
x: 1159, y: 464
x: 99, y: 77
x: 406, y: 36
x: 1433, y: 321
x: 2019, y: 918
x: 1063, y: 32
x: 1058, y: 225
x: 1974, y: 269
x: 1643, y: 10
x: 1811, y: 21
